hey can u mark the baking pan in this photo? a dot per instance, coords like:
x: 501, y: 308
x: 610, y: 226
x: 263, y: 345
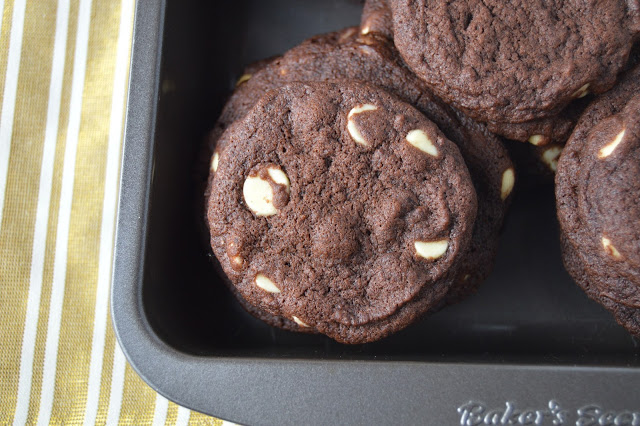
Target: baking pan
x: 529, y: 348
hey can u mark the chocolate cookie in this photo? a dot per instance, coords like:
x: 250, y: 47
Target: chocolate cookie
x: 376, y: 18
x: 336, y: 205
x: 517, y: 60
x: 597, y: 193
x: 349, y: 55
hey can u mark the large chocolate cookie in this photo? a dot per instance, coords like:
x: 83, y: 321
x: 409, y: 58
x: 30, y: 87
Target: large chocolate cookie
x: 351, y: 56
x: 598, y: 193
x: 337, y: 204
x: 516, y: 60
x: 376, y: 18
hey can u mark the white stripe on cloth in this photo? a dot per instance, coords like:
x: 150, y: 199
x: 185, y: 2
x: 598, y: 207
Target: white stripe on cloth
x: 42, y: 214
x: 64, y: 214
x: 9, y: 96
x: 160, y: 410
x: 183, y: 416
x: 117, y: 386
x: 107, y: 227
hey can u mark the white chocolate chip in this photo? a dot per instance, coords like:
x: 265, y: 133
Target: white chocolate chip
x: 365, y: 30
x: 279, y: 177
x: 258, y: 195
x: 419, y: 139
x: 258, y: 192
x: 508, y: 180
x: 266, y: 284
x: 608, y: 149
x: 431, y: 250
x: 243, y: 79
x: 582, y: 92
x: 351, y: 125
x: 214, y: 162
x: 610, y: 249
x: 550, y: 157
x: 236, y: 262
x: 536, y: 139
x: 299, y: 321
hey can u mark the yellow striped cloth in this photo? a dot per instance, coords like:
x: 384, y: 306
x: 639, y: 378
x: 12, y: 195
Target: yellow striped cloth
x: 63, y: 76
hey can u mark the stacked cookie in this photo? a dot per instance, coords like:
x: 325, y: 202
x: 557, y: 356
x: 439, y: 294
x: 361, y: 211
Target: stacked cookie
x: 331, y: 64
x: 358, y: 181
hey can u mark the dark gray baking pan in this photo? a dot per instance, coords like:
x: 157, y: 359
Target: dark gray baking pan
x: 529, y: 348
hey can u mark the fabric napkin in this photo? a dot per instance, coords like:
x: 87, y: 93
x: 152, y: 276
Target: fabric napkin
x: 63, y: 80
